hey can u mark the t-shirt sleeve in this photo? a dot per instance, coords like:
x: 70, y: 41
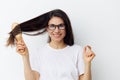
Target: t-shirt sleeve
x: 80, y: 61
x: 34, y: 60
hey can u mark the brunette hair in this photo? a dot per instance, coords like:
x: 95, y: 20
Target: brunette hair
x: 40, y: 23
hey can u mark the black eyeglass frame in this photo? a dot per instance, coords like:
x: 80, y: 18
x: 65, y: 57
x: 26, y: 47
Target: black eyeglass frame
x: 59, y: 26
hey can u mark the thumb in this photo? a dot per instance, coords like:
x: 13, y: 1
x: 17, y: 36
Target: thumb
x: 14, y: 25
x: 18, y: 37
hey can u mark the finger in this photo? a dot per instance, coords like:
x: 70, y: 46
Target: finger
x: 20, y: 49
x: 90, y: 55
x: 93, y: 55
x: 18, y: 44
x: 18, y: 37
x: 88, y: 49
x: 21, y: 42
x: 21, y: 46
x: 14, y: 25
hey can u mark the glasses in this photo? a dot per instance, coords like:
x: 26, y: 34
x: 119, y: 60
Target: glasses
x: 53, y: 26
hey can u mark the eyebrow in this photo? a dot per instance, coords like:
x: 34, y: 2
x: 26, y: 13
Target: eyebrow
x: 57, y: 24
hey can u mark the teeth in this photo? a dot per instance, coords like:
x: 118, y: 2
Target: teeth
x: 56, y: 35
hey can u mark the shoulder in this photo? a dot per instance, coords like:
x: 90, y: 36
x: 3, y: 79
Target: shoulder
x: 76, y: 47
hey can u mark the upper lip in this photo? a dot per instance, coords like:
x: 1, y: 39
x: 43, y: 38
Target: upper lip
x: 56, y: 34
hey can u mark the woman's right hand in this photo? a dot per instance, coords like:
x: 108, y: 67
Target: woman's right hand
x: 21, y: 47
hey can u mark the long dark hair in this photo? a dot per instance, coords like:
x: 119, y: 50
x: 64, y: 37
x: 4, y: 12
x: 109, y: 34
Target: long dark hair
x: 40, y: 23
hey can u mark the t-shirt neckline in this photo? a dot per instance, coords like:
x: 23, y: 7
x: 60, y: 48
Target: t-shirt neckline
x: 48, y: 45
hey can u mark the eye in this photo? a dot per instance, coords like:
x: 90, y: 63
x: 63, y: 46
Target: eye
x: 51, y: 26
x: 61, y: 26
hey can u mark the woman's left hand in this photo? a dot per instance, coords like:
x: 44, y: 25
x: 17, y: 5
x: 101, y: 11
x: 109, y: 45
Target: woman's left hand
x: 88, y: 54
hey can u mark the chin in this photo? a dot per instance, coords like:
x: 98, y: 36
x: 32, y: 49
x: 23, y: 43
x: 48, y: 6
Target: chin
x: 58, y: 40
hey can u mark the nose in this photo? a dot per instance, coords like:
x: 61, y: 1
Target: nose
x: 56, y: 29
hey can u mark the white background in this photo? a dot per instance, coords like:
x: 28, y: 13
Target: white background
x: 95, y: 23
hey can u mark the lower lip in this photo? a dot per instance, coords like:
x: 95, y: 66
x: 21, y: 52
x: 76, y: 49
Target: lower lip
x: 56, y: 36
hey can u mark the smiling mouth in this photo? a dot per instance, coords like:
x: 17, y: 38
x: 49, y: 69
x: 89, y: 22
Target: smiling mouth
x: 56, y: 35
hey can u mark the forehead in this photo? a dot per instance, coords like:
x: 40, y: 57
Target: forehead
x: 56, y: 20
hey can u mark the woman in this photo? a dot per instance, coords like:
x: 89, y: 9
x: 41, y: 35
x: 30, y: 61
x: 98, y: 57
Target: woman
x: 60, y: 58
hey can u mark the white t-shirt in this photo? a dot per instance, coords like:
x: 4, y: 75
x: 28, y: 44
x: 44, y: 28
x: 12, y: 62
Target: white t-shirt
x: 58, y: 64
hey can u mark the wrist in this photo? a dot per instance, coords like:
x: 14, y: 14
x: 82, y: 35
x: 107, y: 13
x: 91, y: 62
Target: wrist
x: 87, y: 64
x: 25, y: 56
x: 87, y: 68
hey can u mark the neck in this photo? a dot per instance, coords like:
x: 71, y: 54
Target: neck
x: 57, y: 45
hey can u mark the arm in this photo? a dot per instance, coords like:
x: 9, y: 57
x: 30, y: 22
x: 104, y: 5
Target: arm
x: 88, y: 55
x: 22, y: 49
x: 87, y: 74
x: 29, y: 73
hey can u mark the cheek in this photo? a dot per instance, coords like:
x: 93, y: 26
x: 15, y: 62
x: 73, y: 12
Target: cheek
x: 63, y: 34
x: 49, y: 32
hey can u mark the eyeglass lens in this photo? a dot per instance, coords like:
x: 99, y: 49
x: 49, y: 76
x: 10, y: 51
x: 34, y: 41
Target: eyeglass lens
x: 53, y: 26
